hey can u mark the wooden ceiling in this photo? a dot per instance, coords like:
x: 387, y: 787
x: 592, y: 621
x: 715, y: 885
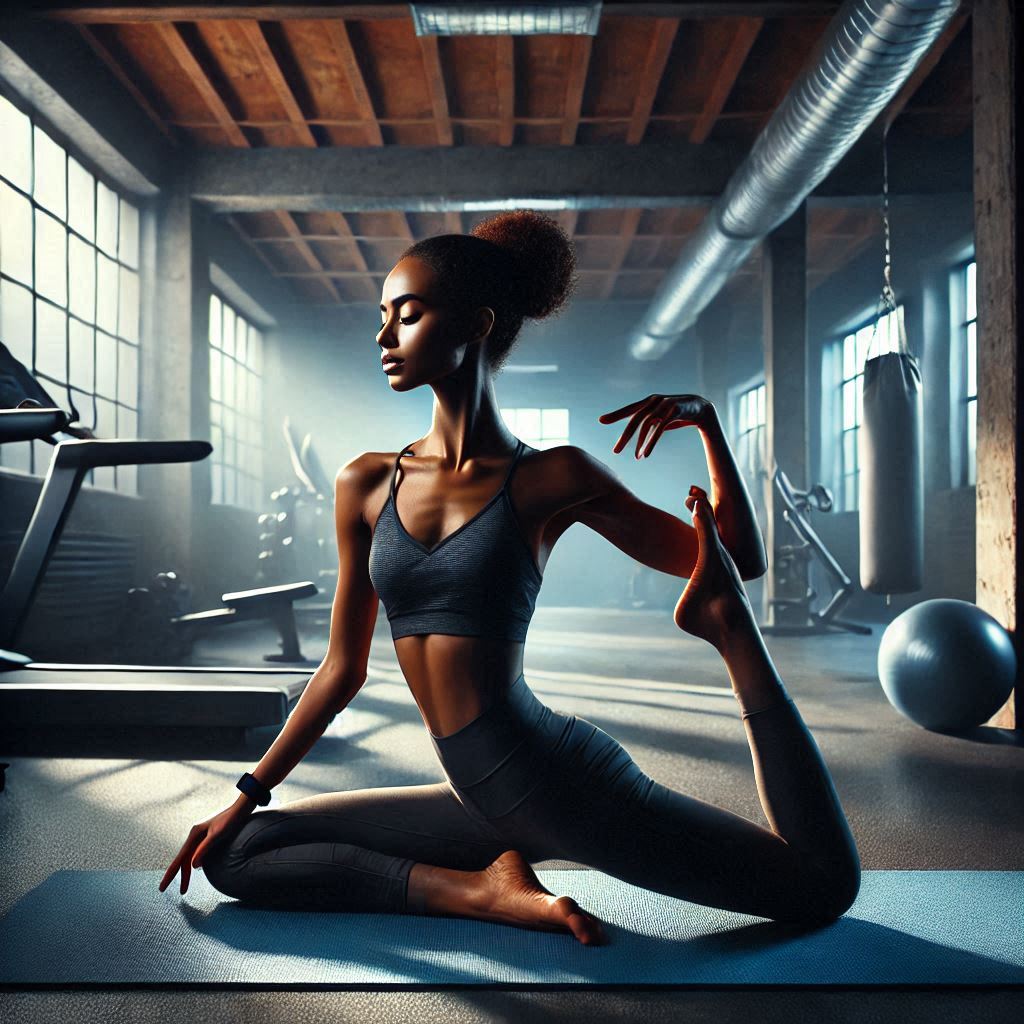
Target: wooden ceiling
x: 358, y: 75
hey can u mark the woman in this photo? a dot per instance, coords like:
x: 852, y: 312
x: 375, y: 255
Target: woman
x: 453, y: 541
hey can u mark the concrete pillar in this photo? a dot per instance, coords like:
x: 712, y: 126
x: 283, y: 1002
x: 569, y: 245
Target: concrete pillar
x: 174, y: 403
x: 784, y: 283
x: 1000, y: 490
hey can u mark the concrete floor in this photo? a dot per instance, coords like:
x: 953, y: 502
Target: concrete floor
x: 914, y: 799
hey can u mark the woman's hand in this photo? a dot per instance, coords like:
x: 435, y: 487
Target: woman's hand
x: 222, y: 827
x: 662, y: 412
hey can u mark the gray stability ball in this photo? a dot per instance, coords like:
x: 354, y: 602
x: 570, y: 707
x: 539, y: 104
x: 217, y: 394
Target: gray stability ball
x: 946, y: 664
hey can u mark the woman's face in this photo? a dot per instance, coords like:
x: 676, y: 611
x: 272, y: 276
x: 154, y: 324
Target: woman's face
x: 418, y: 331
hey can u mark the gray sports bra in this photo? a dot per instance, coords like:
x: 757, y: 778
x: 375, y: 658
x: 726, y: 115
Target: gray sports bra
x: 481, y: 580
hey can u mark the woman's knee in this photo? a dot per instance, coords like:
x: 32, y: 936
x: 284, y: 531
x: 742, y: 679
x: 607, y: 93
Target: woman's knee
x: 223, y: 866
x: 828, y: 893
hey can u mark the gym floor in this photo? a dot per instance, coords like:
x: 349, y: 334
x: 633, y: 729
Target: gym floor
x: 915, y: 800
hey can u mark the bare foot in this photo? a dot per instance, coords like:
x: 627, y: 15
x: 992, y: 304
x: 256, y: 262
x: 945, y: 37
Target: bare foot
x: 714, y: 598
x: 512, y: 893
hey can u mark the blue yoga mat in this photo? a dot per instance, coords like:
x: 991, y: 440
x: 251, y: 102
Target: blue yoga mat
x: 906, y: 928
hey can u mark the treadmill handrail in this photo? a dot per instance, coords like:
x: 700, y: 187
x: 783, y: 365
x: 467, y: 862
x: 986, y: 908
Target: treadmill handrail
x: 30, y: 424
x: 85, y: 454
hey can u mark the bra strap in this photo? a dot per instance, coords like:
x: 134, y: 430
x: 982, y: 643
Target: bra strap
x: 512, y: 465
x: 394, y: 471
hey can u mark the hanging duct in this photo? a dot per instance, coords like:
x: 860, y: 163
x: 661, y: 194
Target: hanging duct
x: 868, y: 51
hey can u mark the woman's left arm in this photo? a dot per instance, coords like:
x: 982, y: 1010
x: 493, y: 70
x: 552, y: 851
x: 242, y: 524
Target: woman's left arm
x: 730, y: 501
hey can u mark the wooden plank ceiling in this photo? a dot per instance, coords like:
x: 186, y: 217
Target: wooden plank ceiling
x: 281, y: 77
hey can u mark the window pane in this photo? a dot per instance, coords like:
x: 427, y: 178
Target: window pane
x: 256, y: 352
x: 972, y: 359
x: 48, y: 188
x: 850, y: 493
x: 106, y: 219
x: 80, y: 340
x: 972, y: 442
x: 849, y: 357
x: 215, y: 374
x: 127, y: 375
x: 860, y: 400
x: 106, y: 426
x: 216, y: 438
x: 51, y: 258
x: 16, y: 151
x: 762, y: 401
x: 849, y: 403
x: 15, y: 234
x: 82, y: 278
x: 128, y: 245
x: 127, y: 422
x: 51, y: 343
x: 215, y: 321
x: 106, y: 366
x: 106, y: 293
x: 228, y: 331
x: 554, y: 421
x: 850, y: 451
x: 81, y: 199
x: 529, y: 423
x: 16, y: 320
x: 863, y: 345
x: 971, y: 281
x: 241, y: 329
x: 128, y: 302
x: 228, y: 384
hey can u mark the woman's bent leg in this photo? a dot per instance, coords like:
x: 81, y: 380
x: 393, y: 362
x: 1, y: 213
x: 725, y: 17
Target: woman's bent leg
x: 597, y: 806
x: 351, y: 850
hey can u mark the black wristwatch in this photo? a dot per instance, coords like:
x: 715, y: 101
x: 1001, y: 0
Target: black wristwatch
x: 251, y: 786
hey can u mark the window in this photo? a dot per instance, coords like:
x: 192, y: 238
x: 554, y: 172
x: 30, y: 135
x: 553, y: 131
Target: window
x: 854, y: 354
x: 236, y: 397
x: 969, y: 347
x: 750, y: 434
x: 69, y: 289
x: 539, y: 428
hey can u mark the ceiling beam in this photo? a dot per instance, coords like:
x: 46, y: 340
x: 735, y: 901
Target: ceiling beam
x: 193, y: 70
x: 443, y: 178
x: 97, y: 13
x: 658, y: 51
x: 576, y: 81
x: 505, y: 88
x: 434, y: 74
x: 337, y: 36
x: 728, y: 72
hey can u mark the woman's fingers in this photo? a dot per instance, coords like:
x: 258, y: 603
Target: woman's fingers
x: 183, y: 861
x: 610, y: 417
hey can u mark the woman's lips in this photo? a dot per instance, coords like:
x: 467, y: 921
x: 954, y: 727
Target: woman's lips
x: 391, y: 364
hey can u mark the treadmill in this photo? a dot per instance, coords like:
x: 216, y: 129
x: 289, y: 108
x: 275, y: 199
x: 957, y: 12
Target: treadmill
x: 44, y: 694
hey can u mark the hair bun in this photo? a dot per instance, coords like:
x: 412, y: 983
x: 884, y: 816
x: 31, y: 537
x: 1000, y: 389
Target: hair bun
x: 544, y: 256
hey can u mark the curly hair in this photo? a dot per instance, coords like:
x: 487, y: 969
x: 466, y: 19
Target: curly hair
x: 519, y: 263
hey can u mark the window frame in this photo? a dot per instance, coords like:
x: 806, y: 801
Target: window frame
x: 219, y: 491
x: 120, y: 479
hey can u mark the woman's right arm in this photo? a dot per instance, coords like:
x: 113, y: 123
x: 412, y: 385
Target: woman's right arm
x: 353, y: 615
x: 337, y: 680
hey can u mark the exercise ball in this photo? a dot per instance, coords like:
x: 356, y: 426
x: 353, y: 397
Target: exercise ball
x: 946, y: 664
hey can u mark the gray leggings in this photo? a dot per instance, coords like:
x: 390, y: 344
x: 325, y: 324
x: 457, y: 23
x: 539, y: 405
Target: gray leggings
x: 554, y: 786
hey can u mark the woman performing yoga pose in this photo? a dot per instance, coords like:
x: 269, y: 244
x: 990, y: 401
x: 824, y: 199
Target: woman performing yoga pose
x: 453, y: 541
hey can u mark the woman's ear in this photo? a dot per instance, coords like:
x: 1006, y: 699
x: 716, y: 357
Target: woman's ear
x: 483, y: 323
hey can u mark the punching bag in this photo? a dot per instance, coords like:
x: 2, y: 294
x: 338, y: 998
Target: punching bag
x: 892, y: 473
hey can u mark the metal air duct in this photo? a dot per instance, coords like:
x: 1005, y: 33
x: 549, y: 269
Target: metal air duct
x: 867, y: 52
